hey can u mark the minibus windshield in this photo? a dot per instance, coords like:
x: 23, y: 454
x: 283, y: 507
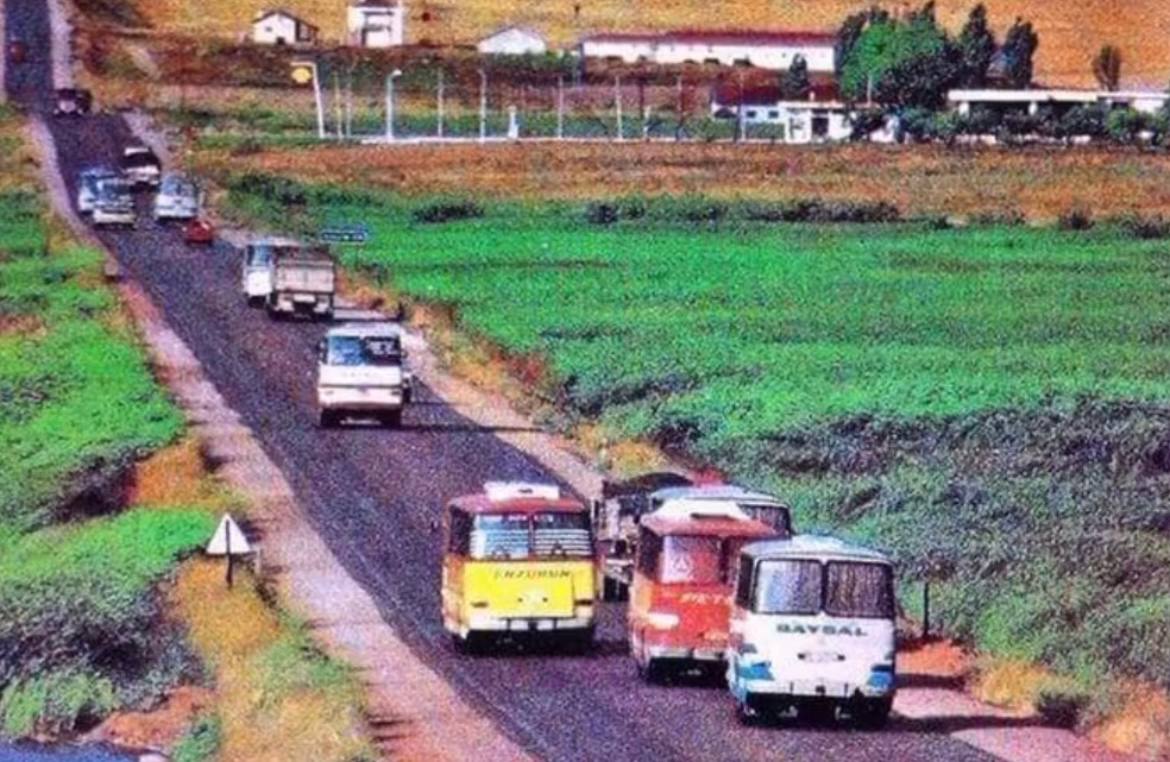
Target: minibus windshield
x: 500, y: 536
x: 518, y: 536
x: 859, y: 590
x: 788, y: 587
x: 363, y: 350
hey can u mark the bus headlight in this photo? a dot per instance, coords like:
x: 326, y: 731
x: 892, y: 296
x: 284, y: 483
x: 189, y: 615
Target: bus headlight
x: 661, y: 620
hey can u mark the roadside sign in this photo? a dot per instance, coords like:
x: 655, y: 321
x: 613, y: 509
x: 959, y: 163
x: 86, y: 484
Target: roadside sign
x: 358, y: 233
x: 228, y: 540
x: 302, y: 73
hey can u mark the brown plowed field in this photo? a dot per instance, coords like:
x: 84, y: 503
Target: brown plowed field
x: 1040, y: 183
x: 1071, y: 31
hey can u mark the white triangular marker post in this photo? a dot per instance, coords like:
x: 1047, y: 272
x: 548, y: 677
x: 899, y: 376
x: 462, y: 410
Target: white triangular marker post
x: 228, y: 540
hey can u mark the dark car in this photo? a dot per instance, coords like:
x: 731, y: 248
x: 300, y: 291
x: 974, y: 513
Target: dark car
x: 73, y: 102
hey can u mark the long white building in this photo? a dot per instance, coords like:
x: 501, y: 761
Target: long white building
x: 766, y: 50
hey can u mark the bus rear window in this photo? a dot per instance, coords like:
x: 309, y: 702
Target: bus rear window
x: 859, y: 590
x: 691, y: 560
x: 500, y: 537
x: 788, y: 587
x: 561, y: 534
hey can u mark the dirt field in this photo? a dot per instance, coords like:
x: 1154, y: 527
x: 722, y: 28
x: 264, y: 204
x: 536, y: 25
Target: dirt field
x: 1040, y: 183
x: 1071, y: 31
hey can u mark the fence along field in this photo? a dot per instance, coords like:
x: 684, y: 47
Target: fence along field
x: 1070, y: 35
x: 985, y: 402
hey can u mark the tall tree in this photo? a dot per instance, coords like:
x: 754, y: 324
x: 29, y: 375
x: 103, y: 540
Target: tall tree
x: 909, y: 63
x: 795, y: 85
x: 1019, y: 48
x: 850, y: 33
x: 977, y: 46
x: 1107, y: 67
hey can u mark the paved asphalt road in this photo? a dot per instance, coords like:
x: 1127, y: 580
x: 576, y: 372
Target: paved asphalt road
x: 373, y: 495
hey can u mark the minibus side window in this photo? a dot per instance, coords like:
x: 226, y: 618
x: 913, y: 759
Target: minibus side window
x: 859, y: 590
x: 788, y: 587
x: 459, y: 541
x: 649, y: 549
x: 743, y: 582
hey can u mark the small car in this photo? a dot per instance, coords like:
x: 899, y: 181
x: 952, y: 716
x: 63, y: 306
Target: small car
x: 17, y: 51
x: 114, y: 204
x: 199, y: 231
x: 141, y: 166
x: 87, y: 186
x: 73, y: 102
x: 177, y: 199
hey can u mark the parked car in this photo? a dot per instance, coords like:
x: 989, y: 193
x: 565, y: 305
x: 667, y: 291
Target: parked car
x: 141, y: 166
x: 87, y: 186
x: 199, y: 231
x: 73, y: 102
x: 114, y: 204
x: 177, y: 199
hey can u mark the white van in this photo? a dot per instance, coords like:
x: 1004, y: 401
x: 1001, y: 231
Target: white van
x: 360, y: 372
x: 177, y: 199
x: 256, y: 272
x: 812, y: 628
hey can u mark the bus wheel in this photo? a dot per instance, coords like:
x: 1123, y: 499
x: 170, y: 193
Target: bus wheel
x: 579, y: 643
x: 745, y: 715
x: 328, y: 419
x: 654, y: 672
x: 873, y: 714
x: 469, y: 646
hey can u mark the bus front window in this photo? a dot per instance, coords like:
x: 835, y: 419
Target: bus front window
x: 562, y: 534
x: 859, y: 590
x: 788, y: 587
x: 691, y: 560
x: 500, y: 537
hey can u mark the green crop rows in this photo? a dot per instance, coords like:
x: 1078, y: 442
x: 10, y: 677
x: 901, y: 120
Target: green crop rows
x: 986, y: 403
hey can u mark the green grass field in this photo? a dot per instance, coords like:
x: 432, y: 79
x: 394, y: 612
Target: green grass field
x: 987, y: 403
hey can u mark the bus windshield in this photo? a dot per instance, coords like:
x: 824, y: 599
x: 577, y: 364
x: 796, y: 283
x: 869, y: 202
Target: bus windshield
x: 859, y: 590
x: 518, y: 536
x: 788, y: 587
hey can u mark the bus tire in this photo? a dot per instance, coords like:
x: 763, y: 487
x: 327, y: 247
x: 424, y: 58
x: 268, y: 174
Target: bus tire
x: 468, y: 646
x: 328, y: 419
x: 745, y: 715
x: 873, y: 714
x: 391, y: 419
x: 655, y: 671
x: 579, y: 642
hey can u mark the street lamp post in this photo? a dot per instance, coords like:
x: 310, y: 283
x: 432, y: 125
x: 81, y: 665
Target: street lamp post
x: 390, y: 103
x: 482, y: 105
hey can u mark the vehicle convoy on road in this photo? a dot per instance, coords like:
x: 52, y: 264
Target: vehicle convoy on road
x: 813, y: 629
x: 177, y: 199
x: 680, y: 599
x: 518, y: 558
x: 302, y: 281
x: 141, y: 166
x: 114, y: 203
x: 87, y: 186
x: 360, y: 372
x: 616, y: 517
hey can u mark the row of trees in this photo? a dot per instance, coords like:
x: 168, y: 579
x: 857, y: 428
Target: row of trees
x: 912, y: 62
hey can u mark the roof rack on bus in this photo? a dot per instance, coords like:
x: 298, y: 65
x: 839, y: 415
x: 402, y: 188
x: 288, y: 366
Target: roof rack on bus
x: 682, y: 508
x: 500, y: 491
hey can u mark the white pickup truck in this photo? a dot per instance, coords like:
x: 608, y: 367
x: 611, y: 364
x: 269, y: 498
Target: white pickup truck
x: 303, y: 282
x: 360, y: 372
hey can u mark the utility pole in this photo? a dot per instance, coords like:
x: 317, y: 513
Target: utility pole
x: 439, y: 126
x: 741, y: 125
x: 482, y: 106
x: 349, y: 100
x: 337, y: 104
x: 390, y: 103
x: 617, y: 102
x: 678, y: 127
x: 560, y: 107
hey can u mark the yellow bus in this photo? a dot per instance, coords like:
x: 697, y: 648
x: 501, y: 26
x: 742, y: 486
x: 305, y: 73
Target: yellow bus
x: 518, y: 558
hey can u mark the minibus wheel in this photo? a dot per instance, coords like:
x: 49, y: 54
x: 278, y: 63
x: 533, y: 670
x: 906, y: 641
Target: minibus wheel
x: 873, y: 713
x: 745, y: 715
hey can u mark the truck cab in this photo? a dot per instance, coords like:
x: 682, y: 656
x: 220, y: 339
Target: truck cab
x: 680, y: 599
x: 360, y: 372
x: 813, y: 628
x: 518, y: 561
x: 256, y: 270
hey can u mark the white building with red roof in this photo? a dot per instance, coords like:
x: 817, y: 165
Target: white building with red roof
x: 766, y: 50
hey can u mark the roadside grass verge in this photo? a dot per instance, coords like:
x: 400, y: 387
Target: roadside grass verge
x: 987, y: 402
